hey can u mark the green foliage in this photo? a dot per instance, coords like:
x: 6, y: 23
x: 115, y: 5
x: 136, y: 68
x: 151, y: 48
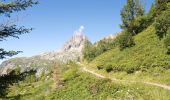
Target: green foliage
x: 130, y: 70
x: 148, y: 52
x: 88, y: 51
x: 13, y: 77
x: 146, y: 57
x: 88, y: 87
x: 57, y: 76
x: 161, y: 5
x: 99, y: 67
x: 162, y: 24
x: 15, y: 6
x: 147, y: 19
x: 71, y: 72
x: 131, y: 10
x: 134, y: 22
x: 108, y: 68
x: 125, y: 40
x: 167, y: 41
x: 85, y: 86
x: 104, y: 45
x: 151, y: 14
x: 30, y: 78
x: 4, y: 53
x: 91, y: 51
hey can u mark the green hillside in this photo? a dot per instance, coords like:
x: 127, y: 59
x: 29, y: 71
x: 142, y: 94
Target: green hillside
x: 141, y: 57
x: 80, y: 85
x: 141, y: 50
x: 133, y: 65
x: 147, y: 60
x: 149, y: 52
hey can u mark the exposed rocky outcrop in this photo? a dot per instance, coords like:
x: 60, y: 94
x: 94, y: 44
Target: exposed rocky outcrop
x: 71, y: 51
x: 26, y: 64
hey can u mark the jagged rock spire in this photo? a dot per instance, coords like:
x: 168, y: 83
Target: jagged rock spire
x: 77, y: 40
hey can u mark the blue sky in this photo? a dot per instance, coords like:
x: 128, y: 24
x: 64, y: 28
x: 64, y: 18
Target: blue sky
x: 54, y: 22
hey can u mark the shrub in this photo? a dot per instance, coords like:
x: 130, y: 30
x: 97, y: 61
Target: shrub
x: 161, y: 5
x: 30, y: 78
x: 99, y: 67
x: 70, y: 74
x: 162, y: 24
x: 88, y: 51
x: 167, y: 41
x: 91, y: 51
x: 125, y: 40
x: 130, y: 70
x: 143, y: 68
x: 109, y: 68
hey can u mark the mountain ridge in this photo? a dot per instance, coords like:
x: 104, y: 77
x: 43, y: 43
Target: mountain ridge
x: 71, y: 51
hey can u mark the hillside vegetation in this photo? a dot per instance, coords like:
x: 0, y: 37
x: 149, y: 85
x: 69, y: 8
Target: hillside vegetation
x: 131, y: 63
x: 148, y: 52
x: 141, y: 51
x: 80, y: 85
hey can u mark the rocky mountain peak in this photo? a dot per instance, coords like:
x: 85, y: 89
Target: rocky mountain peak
x: 76, y: 42
x: 71, y: 51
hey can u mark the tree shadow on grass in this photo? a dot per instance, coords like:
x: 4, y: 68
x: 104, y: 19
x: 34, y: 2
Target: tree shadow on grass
x: 9, y: 79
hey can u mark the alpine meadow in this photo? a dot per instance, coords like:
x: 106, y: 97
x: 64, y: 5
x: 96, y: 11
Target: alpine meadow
x: 40, y: 58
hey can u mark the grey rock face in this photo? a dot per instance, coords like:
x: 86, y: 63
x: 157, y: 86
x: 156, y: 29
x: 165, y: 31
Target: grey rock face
x: 25, y: 64
x: 75, y: 43
x: 71, y: 51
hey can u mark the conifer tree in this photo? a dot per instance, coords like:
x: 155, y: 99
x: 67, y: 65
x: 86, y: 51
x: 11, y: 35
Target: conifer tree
x: 12, y: 30
x: 130, y: 11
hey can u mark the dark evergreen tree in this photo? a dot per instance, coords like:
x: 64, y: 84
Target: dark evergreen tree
x: 162, y: 23
x: 131, y: 10
x: 161, y: 5
x: 12, y: 30
x: 132, y: 22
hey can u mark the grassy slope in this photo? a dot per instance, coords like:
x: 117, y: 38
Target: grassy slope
x: 87, y: 87
x: 148, y: 57
x: 148, y: 52
x: 84, y: 86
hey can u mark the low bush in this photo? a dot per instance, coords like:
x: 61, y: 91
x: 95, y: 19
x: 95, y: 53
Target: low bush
x: 130, y: 70
x: 109, y: 68
x: 71, y: 74
x: 167, y: 41
x: 91, y: 51
x: 125, y: 40
x: 99, y: 67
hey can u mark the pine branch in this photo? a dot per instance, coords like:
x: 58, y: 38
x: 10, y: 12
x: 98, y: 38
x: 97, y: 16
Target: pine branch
x: 4, y: 54
x: 16, y: 5
x: 12, y: 31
